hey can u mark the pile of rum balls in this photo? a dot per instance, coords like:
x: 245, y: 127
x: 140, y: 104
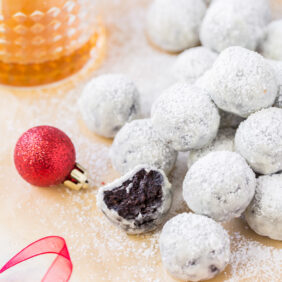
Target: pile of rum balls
x: 225, y: 109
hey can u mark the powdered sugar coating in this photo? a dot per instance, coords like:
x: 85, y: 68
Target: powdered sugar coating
x: 220, y: 185
x: 173, y: 25
x: 234, y: 23
x: 277, y: 66
x: 185, y: 117
x: 100, y: 251
x: 108, y: 102
x: 271, y: 45
x: 259, y: 140
x: 227, y: 120
x: 264, y: 214
x: 138, y: 143
x: 241, y: 82
x: 194, y: 247
x: 223, y: 142
x: 156, y: 216
x: 193, y: 63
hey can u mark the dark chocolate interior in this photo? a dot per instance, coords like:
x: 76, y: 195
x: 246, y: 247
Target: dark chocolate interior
x: 142, y: 194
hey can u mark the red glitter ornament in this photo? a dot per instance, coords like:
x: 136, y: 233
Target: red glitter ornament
x: 45, y: 156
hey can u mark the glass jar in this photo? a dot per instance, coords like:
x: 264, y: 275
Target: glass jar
x: 43, y: 41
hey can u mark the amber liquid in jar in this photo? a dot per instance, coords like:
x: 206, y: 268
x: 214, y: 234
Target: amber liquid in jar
x: 43, y: 41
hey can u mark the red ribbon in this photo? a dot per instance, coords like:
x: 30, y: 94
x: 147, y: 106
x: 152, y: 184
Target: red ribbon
x: 61, y: 268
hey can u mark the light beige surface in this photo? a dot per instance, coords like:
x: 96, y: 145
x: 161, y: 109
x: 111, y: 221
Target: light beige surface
x: 100, y: 251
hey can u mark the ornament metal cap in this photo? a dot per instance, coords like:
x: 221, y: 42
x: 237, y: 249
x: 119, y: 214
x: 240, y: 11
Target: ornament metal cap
x: 77, y: 179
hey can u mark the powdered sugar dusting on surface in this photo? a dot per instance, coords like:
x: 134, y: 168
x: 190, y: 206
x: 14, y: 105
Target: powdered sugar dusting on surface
x: 100, y: 251
x: 253, y: 261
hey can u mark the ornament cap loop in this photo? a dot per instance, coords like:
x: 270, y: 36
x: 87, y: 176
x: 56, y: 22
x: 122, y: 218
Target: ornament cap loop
x: 77, y: 179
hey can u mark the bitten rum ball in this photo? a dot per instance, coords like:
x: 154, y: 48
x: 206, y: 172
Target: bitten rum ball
x: 138, y: 201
